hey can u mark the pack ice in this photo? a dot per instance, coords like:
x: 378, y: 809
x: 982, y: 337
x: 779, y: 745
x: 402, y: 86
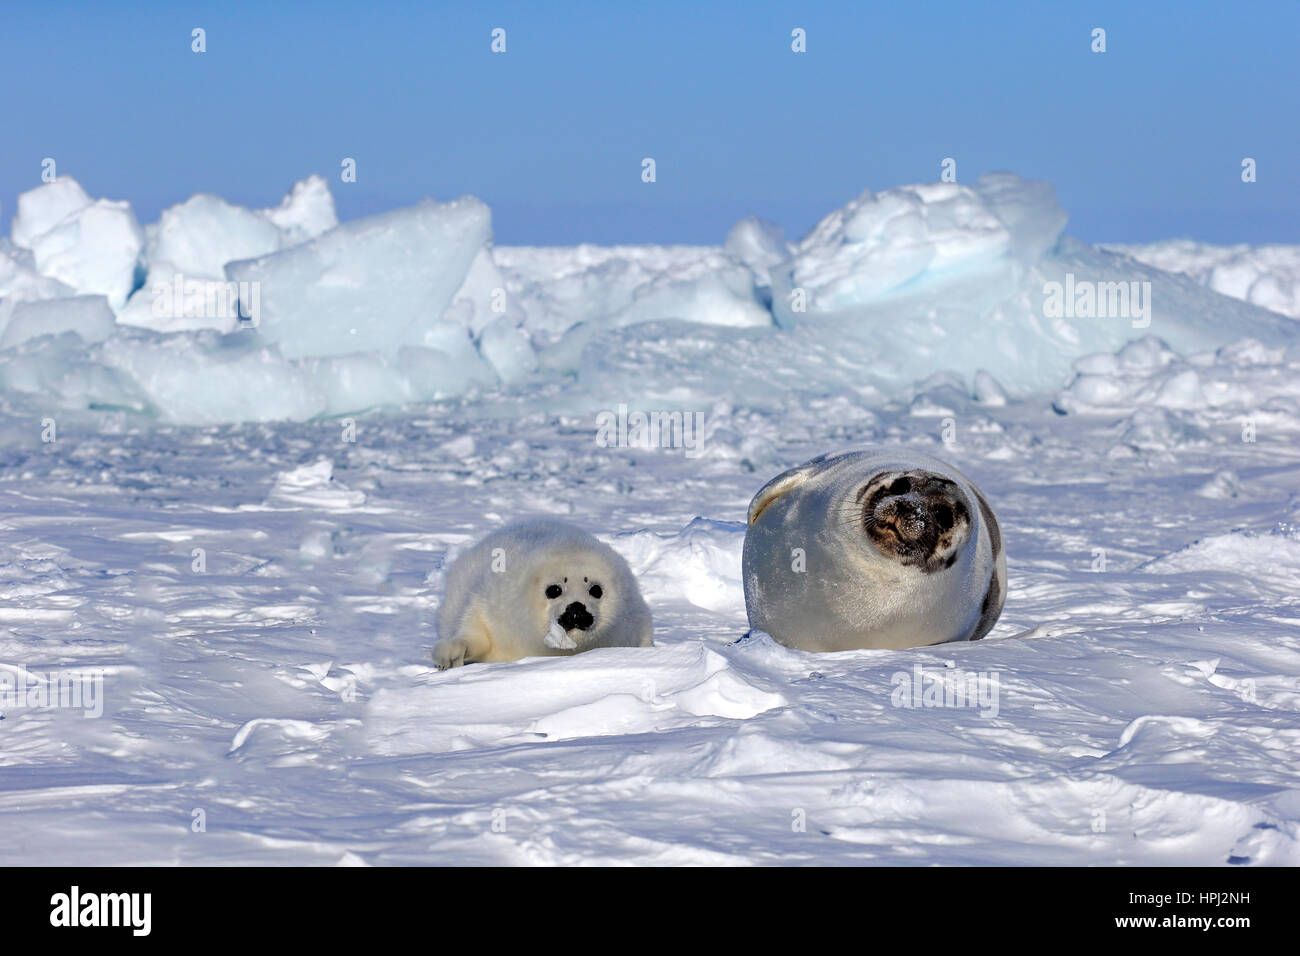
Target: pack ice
x: 225, y: 314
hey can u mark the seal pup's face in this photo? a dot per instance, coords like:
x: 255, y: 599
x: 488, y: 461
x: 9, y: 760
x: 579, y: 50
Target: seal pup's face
x: 575, y: 594
x: 918, y: 518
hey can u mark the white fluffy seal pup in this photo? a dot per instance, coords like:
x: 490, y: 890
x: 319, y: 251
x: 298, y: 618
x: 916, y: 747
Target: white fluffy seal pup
x: 883, y: 548
x: 538, y: 588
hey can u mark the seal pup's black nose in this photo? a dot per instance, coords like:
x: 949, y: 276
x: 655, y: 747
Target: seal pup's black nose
x: 576, y: 615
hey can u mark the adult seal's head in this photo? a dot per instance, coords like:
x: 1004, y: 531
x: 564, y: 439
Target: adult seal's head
x: 883, y: 548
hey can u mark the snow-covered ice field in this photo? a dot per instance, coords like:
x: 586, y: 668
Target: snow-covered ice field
x: 245, y: 531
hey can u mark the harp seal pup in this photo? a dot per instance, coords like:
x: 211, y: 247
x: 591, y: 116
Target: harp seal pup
x: 538, y: 588
x: 899, y: 549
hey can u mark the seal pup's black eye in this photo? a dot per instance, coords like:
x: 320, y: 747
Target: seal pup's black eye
x: 901, y: 486
x: 595, y: 591
x: 553, y: 591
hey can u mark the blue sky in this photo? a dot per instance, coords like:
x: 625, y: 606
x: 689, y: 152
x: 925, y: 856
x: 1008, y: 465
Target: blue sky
x: 1144, y: 141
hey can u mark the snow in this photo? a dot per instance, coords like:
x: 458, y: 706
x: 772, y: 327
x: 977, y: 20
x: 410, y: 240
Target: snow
x: 915, y: 236
x: 987, y: 389
x: 971, y: 276
x: 287, y: 691
x: 608, y: 692
x: 43, y: 208
x: 483, y: 296
x: 187, y: 250
x: 207, y: 378
x: 88, y: 316
x: 727, y: 297
x: 95, y: 250
x: 508, y: 350
x: 370, y: 285
x: 198, y: 237
x: 585, y: 289
x: 241, y: 532
x: 306, y: 212
x: 1245, y: 379
x: 19, y: 280
x: 1267, y: 276
x: 758, y: 244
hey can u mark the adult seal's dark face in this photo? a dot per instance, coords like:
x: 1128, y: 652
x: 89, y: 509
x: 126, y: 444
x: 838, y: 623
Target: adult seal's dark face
x: 919, y: 518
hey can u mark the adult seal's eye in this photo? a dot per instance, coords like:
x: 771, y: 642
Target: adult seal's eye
x: 595, y: 591
x: 553, y: 591
x: 901, y: 486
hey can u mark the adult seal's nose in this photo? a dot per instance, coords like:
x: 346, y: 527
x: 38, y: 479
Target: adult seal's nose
x: 576, y: 615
